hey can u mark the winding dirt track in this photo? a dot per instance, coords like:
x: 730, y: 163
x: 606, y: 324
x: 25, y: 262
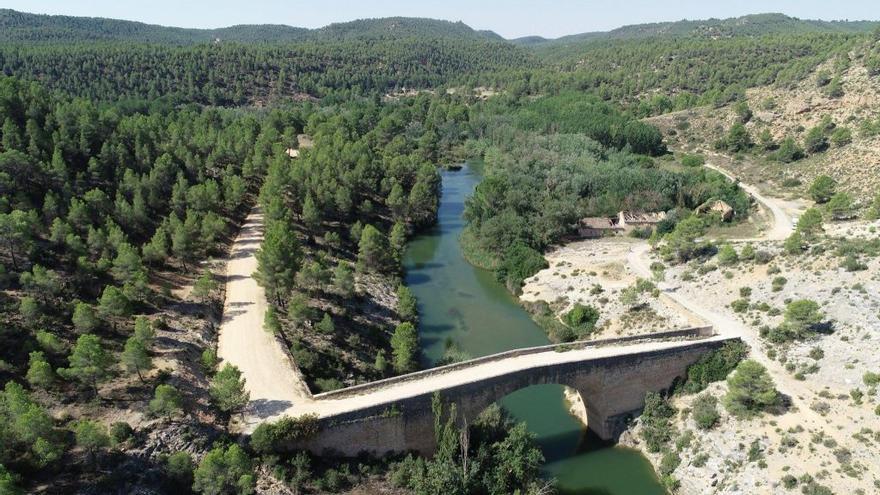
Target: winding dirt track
x: 782, y: 223
x: 727, y: 326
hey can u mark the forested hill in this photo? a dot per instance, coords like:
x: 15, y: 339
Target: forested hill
x: 749, y: 25
x: 30, y: 28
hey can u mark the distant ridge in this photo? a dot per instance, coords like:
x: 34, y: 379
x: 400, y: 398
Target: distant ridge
x: 38, y: 28
x: 24, y: 27
x: 748, y: 25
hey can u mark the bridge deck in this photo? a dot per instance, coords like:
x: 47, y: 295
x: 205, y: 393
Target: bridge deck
x: 428, y: 382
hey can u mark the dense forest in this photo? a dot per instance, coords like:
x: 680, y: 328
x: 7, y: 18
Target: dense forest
x: 552, y: 161
x: 347, y: 207
x: 34, y: 28
x: 237, y: 74
x: 104, y: 207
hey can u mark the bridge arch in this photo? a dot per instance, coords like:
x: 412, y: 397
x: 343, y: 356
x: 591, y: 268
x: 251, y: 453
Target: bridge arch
x: 612, y: 387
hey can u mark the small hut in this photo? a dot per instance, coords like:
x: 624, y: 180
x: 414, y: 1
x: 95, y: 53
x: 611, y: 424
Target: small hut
x: 719, y: 206
x: 631, y: 220
x: 595, y: 227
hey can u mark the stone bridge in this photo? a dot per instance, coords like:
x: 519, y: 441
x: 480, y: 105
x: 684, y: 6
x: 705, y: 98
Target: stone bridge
x: 612, y: 377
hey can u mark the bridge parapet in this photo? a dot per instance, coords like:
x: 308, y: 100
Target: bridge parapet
x: 612, y: 385
x: 682, y: 334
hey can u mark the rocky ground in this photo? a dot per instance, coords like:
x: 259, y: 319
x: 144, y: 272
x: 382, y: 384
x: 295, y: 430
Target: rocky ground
x: 830, y: 431
x: 792, y: 111
x: 594, y: 272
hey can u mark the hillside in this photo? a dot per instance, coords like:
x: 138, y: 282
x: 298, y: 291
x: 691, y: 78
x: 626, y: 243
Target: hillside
x: 831, y: 116
x: 749, y: 25
x: 36, y: 28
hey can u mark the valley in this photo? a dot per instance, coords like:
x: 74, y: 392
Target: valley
x: 402, y: 255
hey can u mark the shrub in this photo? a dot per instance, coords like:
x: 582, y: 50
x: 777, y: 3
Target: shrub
x: 405, y: 347
x: 407, y: 306
x: 223, y: 471
x: 852, y: 264
x: 763, y: 257
x: 705, y: 411
x: 166, y: 401
x: 822, y: 189
x: 120, y: 432
x: 714, y: 366
x: 227, y: 389
x: 788, y: 151
x: 794, y: 244
x: 179, y: 467
x: 209, y: 359
x: 778, y: 283
x: 750, y: 390
x: 657, y: 429
x: 326, y: 325
x: 277, y: 436
x: 669, y: 462
x: 695, y: 160
x: 582, y: 318
x: 740, y: 305
x: 727, y: 255
x: 815, y: 140
x: 841, y: 137
x: 519, y: 263
x: 801, y: 316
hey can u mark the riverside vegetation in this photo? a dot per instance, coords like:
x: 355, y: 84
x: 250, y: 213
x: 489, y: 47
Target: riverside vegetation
x: 118, y: 194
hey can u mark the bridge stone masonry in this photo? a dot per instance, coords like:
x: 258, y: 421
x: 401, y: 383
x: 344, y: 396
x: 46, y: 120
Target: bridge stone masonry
x: 611, y: 375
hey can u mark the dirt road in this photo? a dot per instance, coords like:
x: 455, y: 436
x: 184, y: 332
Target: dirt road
x: 273, y: 382
x: 727, y: 326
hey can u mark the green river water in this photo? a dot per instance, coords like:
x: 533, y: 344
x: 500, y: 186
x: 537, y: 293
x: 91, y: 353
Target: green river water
x: 466, y: 305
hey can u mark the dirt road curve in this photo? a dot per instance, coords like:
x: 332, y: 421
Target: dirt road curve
x: 782, y: 223
x: 272, y: 381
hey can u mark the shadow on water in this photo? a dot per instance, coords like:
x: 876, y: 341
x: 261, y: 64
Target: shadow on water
x: 468, y: 306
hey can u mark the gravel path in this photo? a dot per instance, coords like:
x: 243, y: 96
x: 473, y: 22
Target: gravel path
x: 274, y: 384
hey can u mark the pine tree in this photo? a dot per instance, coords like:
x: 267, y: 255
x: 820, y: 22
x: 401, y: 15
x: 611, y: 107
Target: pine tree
x: 89, y: 362
x: 405, y: 347
x: 278, y: 260
x: 166, y: 401
x: 227, y: 389
x: 135, y: 357
x: 372, y: 250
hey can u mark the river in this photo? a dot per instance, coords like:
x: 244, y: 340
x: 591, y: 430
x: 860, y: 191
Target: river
x: 465, y: 305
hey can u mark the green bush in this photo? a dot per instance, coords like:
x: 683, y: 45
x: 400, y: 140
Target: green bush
x: 788, y: 151
x: 751, y: 390
x: 740, y: 305
x: 669, y: 462
x: 582, y: 318
x: 727, y: 255
x: 519, y: 263
x: 693, y: 160
x: 120, y: 432
x: 657, y: 429
x: 714, y: 366
x: 822, y: 189
x: 705, y: 411
x: 278, y: 436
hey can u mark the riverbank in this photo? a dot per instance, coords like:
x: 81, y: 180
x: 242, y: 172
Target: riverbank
x: 462, y: 303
